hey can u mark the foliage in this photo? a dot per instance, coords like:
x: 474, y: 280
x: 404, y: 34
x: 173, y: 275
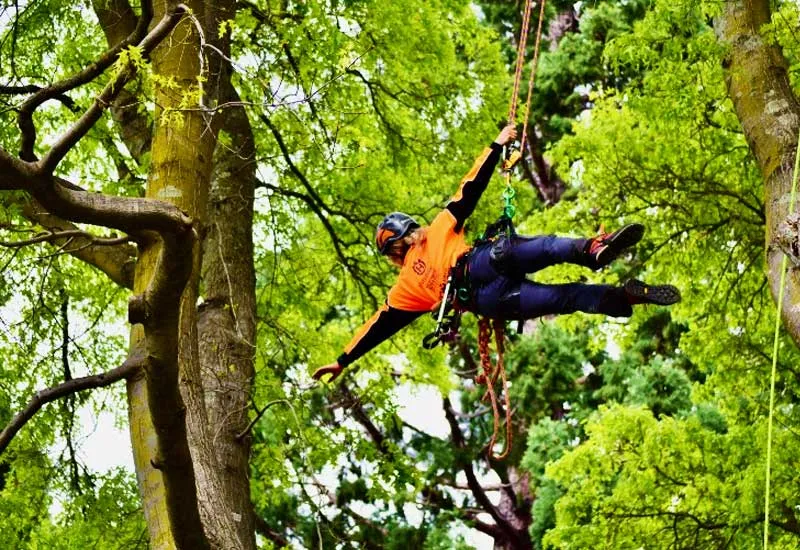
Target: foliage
x: 628, y: 434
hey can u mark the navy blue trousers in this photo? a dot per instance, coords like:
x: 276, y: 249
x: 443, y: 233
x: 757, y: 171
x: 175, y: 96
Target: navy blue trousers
x: 497, y: 272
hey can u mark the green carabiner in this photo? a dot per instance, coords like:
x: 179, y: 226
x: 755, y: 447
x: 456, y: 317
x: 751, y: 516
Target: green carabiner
x: 508, y: 208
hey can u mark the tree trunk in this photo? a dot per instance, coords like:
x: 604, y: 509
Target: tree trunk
x: 183, y: 146
x: 227, y: 315
x: 758, y: 84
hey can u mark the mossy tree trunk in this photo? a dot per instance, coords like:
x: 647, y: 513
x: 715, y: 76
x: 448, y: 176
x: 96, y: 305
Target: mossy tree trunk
x: 214, y: 346
x: 758, y: 84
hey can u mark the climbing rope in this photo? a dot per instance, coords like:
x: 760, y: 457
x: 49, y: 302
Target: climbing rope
x: 489, y: 377
x: 492, y: 372
x: 511, y: 159
x: 523, y: 40
x: 532, y: 77
x: 775, y: 351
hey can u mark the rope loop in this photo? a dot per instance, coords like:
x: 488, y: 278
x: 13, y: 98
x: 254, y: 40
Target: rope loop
x: 489, y: 377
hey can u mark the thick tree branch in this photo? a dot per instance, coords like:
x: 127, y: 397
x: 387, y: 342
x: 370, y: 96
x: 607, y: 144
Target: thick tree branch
x: 118, y: 20
x: 167, y: 411
x: 64, y: 199
x: 116, y: 262
x: 109, y: 93
x: 25, y: 117
x: 472, y: 481
x: 67, y: 388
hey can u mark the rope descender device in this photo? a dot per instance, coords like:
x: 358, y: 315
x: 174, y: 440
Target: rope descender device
x: 513, y: 157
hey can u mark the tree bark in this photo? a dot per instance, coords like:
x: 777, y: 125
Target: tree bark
x: 226, y: 322
x: 769, y: 111
x: 182, y: 151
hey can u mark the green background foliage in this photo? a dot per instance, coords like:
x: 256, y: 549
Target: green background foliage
x: 627, y: 434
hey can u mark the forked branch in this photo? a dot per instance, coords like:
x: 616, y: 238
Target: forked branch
x: 56, y: 90
x: 109, y: 93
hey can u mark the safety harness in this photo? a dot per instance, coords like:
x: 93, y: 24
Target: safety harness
x: 459, y: 297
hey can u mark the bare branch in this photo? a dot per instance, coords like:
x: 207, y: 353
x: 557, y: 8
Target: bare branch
x: 67, y: 388
x: 487, y: 528
x: 360, y: 416
x: 32, y: 88
x: 316, y: 204
x: 106, y: 97
x: 259, y: 415
x: 25, y: 117
x: 263, y: 529
x: 116, y: 262
x: 472, y: 481
x: 49, y: 236
x: 462, y: 487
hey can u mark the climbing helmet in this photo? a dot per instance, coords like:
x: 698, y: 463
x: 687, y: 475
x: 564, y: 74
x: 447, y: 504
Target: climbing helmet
x: 392, y: 228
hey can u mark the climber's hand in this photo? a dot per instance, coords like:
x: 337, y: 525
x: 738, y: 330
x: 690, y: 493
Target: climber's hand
x: 334, y: 369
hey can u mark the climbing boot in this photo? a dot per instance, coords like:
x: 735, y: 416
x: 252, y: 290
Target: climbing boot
x: 642, y: 293
x: 607, y: 246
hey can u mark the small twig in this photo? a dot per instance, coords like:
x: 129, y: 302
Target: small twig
x: 260, y: 414
x: 33, y: 88
x: 234, y: 104
x: 228, y: 278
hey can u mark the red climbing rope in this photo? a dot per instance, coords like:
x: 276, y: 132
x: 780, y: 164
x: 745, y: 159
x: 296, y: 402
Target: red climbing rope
x: 489, y: 377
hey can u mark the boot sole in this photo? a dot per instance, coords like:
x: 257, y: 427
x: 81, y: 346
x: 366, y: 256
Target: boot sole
x: 621, y: 239
x: 662, y: 295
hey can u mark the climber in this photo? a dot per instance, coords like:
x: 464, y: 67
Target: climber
x: 493, y: 271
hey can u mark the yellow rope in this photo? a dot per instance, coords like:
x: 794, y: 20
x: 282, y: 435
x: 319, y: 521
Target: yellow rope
x: 775, y: 352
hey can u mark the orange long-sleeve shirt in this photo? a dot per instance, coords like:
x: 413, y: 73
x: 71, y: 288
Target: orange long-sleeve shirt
x: 420, y: 284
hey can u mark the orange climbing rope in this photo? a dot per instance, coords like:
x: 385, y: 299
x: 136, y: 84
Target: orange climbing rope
x: 489, y: 377
x: 532, y: 78
x: 523, y: 40
x: 491, y: 372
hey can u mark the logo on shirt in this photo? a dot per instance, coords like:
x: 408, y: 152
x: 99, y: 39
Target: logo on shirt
x: 419, y: 267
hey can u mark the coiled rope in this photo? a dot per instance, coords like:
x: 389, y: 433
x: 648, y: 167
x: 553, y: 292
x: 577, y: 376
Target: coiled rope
x: 489, y: 377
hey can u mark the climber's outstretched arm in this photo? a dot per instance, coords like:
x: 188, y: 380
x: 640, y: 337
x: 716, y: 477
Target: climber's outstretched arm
x: 472, y: 186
